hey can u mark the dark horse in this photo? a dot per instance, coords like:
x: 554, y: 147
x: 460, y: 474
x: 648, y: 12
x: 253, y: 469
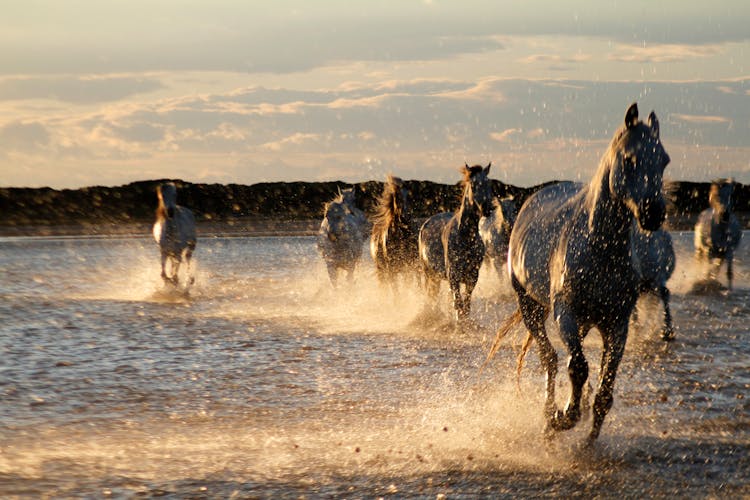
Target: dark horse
x: 718, y: 232
x: 495, y: 231
x: 393, y: 242
x: 450, y: 246
x: 571, y: 254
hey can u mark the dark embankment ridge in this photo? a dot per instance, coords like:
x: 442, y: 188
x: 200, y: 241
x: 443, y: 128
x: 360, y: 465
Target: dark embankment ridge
x: 264, y: 208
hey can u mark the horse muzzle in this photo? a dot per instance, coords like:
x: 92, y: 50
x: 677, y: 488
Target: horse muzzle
x: 651, y: 214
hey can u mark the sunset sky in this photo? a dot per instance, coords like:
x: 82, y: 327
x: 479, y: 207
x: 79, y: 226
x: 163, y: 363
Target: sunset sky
x: 108, y: 92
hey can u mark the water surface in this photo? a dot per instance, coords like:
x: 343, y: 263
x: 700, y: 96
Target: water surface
x: 264, y: 381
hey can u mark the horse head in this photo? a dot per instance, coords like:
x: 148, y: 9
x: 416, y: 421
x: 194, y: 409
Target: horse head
x: 720, y: 195
x: 636, y: 175
x: 336, y: 213
x: 348, y: 197
x: 398, y: 197
x: 478, y: 187
x: 167, y: 194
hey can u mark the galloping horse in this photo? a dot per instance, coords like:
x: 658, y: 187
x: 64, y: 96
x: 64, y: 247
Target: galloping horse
x: 654, y: 259
x: 174, y: 231
x: 717, y: 232
x: 393, y: 242
x: 495, y: 232
x: 571, y: 254
x: 341, y: 235
x: 449, y: 243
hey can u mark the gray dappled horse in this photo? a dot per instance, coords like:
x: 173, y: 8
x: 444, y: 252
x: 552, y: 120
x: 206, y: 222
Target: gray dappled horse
x: 174, y: 231
x: 717, y: 232
x: 449, y: 243
x: 570, y: 254
x: 393, y: 241
x: 654, y: 259
x: 495, y: 232
x: 341, y: 235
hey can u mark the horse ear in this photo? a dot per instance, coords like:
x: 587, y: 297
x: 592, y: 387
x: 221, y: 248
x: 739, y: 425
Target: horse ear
x: 653, y: 122
x: 487, y: 168
x: 631, y: 116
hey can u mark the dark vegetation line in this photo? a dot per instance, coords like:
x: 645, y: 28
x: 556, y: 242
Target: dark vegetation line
x: 135, y: 203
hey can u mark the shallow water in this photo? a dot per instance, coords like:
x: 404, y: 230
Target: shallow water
x: 264, y: 381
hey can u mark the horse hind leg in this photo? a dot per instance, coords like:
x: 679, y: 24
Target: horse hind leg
x: 534, y: 315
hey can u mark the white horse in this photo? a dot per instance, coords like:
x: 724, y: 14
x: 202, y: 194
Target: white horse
x: 174, y: 231
x: 571, y: 254
x: 654, y: 259
x: 495, y: 232
x: 341, y: 235
x: 718, y: 233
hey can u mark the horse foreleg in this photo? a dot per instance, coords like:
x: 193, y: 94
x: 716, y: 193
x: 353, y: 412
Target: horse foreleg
x: 614, y: 347
x: 164, y: 267
x: 175, y: 272
x: 730, y: 271
x: 458, y: 301
x: 332, y: 274
x: 668, y: 330
x: 189, y: 265
x: 578, y: 371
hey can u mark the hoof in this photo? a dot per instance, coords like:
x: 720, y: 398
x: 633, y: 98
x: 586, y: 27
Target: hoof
x: 667, y: 335
x: 565, y: 421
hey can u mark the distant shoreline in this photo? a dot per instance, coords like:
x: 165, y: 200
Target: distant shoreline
x: 253, y: 226
x: 266, y: 209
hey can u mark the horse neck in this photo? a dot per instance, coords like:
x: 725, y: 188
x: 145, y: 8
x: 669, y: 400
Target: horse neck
x: 468, y: 213
x: 610, y: 219
x: 161, y: 211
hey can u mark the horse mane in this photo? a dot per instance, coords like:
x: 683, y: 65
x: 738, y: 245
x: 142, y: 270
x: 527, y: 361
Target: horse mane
x: 339, y: 198
x: 599, y: 184
x: 388, y: 207
x: 161, y: 210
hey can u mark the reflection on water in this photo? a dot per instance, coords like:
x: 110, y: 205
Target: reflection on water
x: 265, y: 381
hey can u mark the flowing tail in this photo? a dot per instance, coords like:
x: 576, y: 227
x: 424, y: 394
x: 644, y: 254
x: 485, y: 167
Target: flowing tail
x: 521, y: 356
x: 510, y: 322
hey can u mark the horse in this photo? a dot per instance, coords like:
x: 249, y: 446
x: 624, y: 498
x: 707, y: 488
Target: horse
x: 393, y: 240
x: 495, y: 233
x: 717, y: 232
x: 341, y: 235
x: 450, y: 246
x: 654, y: 259
x: 174, y: 231
x: 571, y: 254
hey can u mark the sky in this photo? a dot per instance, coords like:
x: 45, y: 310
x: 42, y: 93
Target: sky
x: 109, y: 92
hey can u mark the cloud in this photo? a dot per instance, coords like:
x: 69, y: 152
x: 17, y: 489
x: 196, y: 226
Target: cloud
x: 21, y: 136
x: 663, y: 53
x: 554, y: 59
x: 505, y: 135
x: 78, y: 90
x: 700, y: 119
x: 419, y: 128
